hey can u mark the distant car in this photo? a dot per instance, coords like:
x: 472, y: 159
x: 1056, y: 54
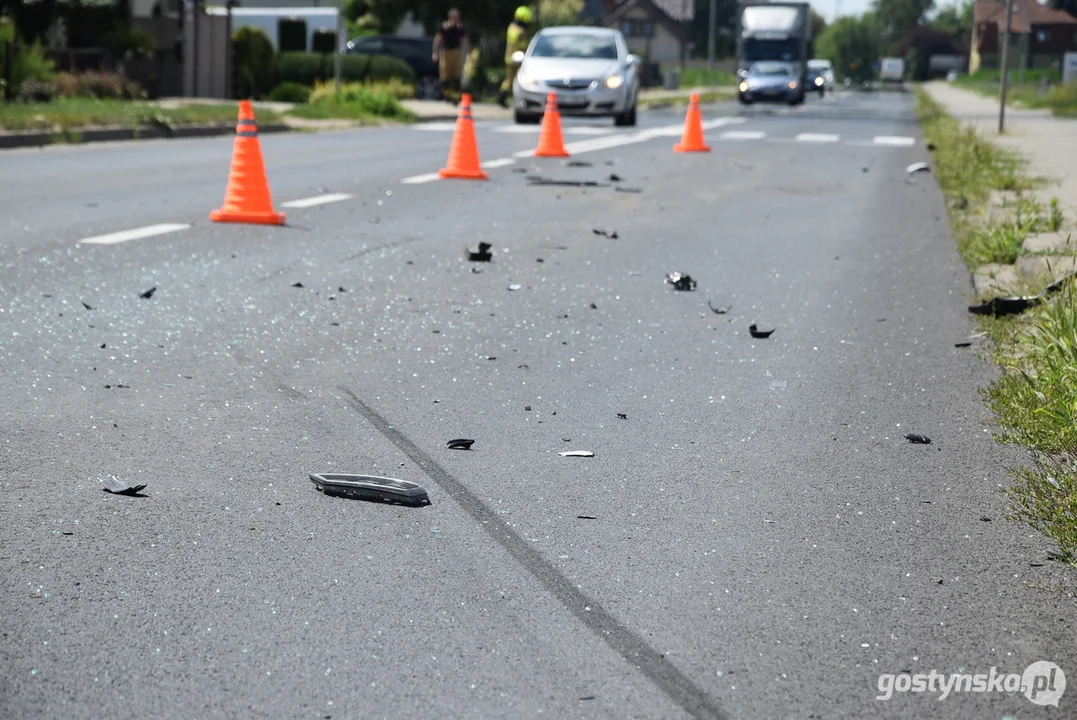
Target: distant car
x: 820, y: 76
x: 892, y: 70
x: 417, y: 52
x: 773, y: 82
x: 589, y: 68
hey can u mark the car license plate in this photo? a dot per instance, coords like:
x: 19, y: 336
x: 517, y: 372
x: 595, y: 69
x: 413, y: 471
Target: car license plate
x: 570, y: 101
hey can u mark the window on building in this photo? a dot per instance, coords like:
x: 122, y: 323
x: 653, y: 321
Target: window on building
x: 637, y: 28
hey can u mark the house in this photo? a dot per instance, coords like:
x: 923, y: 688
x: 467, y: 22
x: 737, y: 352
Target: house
x: 656, y: 30
x: 1039, y: 36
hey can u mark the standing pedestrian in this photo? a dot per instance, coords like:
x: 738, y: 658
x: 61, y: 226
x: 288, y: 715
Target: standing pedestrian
x: 516, y: 39
x: 450, y: 47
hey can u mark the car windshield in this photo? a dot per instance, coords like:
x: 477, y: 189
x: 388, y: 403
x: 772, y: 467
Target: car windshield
x: 761, y: 70
x: 567, y: 45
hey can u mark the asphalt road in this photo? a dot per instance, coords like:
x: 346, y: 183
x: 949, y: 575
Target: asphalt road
x: 764, y: 543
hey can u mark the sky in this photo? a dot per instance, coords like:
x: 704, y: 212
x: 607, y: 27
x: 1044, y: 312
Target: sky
x: 829, y: 8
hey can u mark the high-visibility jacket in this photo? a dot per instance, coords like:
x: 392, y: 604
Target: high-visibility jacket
x: 515, y: 39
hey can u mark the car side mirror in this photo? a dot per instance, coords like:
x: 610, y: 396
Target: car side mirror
x: 517, y: 57
x: 633, y: 59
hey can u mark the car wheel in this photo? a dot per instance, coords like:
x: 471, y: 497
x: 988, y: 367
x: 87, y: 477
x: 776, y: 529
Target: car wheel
x: 525, y: 118
x: 744, y: 100
x: 626, y: 119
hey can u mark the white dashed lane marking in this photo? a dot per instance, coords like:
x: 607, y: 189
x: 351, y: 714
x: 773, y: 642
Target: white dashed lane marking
x: 135, y: 234
x: 317, y: 200
x: 818, y: 138
x: 894, y: 140
x: 743, y: 135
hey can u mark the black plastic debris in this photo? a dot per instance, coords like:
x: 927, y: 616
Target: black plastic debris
x: 519, y: 171
x: 680, y: 281
x: 535, y: 180
x: 628, y: 190
x: 1017, y: 304
x: 103, y: 346
x: 622, y: 416
x: 594, y: 307
x: 460, y: 444
x: 148, y: 294
x: 586, y: 517
x: 719, y: 310
x: 931, y: 147
x: 87, y: 305
x: 611, y: 234
x: 480, y: 254
x: 985, y: 519
x: 963, y: 344
x: 297, y: 284
x: 757, y: 333
x: 371, y: 488
x: 614, y: 177
x: 341, y: 289
x: 918, y: 439
x: 119, y: 487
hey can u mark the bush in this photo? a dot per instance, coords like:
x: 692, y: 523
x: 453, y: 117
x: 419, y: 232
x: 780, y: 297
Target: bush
x: 103, y: 85
x: 30, y: 63
x: 291, y: 92
x: 292, y: 35
x: 1062, y: 99
x: 395, y: 88
x: 36, y: 91
x: 311, y: 68
x: 357, y: 101
x: 324, y: 41
x: 253, y: 63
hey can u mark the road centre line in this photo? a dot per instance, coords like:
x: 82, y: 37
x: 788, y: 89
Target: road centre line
x: 818, y: 137
x: 317, y: 200
x: 134, y: 234
x: 592, y: 144
x: 500, y: 162
x: 743, y: 135
x: 895, y: 140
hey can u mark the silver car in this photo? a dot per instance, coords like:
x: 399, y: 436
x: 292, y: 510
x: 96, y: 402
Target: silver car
x: 590, y: 70
x: 771, y: 81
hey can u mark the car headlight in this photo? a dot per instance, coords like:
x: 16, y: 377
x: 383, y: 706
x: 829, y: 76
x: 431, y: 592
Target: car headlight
x: 527, y: 81
x: 792, y: 84
x: 744, y: 87
x: 818, y: 81
x: 614, y: 81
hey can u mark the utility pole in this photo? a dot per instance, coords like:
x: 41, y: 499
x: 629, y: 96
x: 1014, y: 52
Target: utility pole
x: 1005, y: 68
x: 712, y: 21
x: 339, y: 48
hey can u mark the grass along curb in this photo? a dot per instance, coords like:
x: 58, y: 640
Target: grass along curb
x: 705, y: 96
x: 1035, y: 398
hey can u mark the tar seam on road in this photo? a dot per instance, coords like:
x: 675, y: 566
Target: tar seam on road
x: 675, y: 684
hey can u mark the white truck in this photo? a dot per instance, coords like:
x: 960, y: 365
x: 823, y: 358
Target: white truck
x: 892, y: 70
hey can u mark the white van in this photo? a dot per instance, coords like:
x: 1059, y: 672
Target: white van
x: 892, y: 70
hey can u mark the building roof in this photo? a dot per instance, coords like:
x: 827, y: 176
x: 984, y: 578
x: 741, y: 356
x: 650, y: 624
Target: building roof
x: 675, y: 10
x: 1026, y: 13
x: 657, y: 11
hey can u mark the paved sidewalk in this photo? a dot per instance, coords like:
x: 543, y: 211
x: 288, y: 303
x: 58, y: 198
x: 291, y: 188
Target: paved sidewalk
x: 1048, y: 143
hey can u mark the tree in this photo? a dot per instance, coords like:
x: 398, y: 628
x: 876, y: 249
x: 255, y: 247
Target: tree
x: 818, y: 25
x: 955, y: 21
x: 559, y: 12
x: 897, y: 17
x: 852, y: 45
x: 1069, y: 6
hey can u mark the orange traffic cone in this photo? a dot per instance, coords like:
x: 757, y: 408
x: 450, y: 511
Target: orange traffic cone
x: 464, y: 153
x: 246, y: 199
x: 692, y: 140
x: 551, y: 143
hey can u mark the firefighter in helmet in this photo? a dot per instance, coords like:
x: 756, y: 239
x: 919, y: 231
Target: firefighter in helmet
x: 516, y: 39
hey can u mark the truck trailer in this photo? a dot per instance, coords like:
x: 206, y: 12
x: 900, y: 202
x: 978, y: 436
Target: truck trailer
x: 774, y: 31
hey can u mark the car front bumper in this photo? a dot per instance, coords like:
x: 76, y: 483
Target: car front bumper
x: 777, y: 94
x: 589, y: 102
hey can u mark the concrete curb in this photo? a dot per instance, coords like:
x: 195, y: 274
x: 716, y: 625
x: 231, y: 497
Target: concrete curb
x: 39, y: 138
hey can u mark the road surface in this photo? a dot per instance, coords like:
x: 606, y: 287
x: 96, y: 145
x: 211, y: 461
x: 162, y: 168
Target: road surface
x: 754, y: 538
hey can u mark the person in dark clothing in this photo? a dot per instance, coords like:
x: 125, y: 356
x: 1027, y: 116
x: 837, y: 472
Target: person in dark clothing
x: 450, y: 48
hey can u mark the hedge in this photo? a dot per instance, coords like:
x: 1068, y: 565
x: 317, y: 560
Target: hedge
x: 310, y: 68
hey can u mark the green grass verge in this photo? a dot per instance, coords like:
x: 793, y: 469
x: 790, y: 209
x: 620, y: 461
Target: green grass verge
x: 362, y: 103
x: 1060, y: 99
x: 702, y: 77
x: 1035, y: 399
x: 705, y: 96
x: 76, y: 113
